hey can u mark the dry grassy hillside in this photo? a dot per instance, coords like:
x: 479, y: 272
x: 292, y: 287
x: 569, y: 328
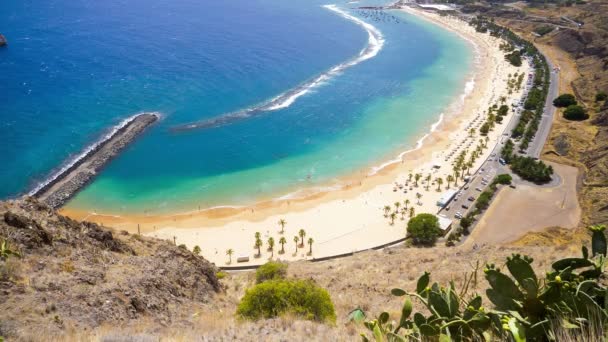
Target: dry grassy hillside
x: 79, y: 281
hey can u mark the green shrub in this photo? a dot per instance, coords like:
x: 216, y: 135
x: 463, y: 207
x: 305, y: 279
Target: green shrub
x: 273, y: 298
x: 527, y: 307
x: 601, y: 96
x: 221, y: 275
x: 575, y: 113
x: 271, y: 270
x: 424, y: 229
x: 543, y: 30
x: 483, y: 201
x: 504, y: 179
x: 564, y: 100
x: 531, y: 170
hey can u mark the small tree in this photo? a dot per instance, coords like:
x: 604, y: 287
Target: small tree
x: 575, y: 113
x: 449, y: 179
x: 310, y: 241
x: 196, y: 250
x: 271, y: 246
x: 416, y: 179
x: 412, y: 212
x: 387, y: 209
x: 282, y: 241
x: 393, y: 216
x: 564, y: 100
x: 302, y: 234
x: 296, y: 239
x: 439, y: 183
x: 424, y: 229
x: 229, y: 253
x: 282, y: 223
x: 601, y: 96
x: 258, y: 245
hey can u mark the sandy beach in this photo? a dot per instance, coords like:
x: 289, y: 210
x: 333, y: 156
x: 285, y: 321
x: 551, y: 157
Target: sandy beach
x: 351, y: 218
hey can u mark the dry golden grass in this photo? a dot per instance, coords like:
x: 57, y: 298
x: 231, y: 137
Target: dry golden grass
x: 363, y: 280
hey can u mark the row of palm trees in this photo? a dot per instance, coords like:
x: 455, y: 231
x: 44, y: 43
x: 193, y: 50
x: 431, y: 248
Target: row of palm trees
x: 298, y: 240
x: 392, y: 215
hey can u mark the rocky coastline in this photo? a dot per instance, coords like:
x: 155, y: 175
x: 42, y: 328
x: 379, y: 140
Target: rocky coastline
x: 63, y: 186
x: 3, y: 41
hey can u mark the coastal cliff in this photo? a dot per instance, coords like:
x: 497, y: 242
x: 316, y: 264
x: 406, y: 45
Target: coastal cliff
x: 3, y: 41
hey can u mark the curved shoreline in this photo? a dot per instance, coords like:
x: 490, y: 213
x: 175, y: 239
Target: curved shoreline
x: 286, y: 99
x: 360, y: 180
x: 350, y: 219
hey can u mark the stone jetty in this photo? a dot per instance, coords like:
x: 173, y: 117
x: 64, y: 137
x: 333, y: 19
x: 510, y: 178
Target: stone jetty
x: 62, y: 186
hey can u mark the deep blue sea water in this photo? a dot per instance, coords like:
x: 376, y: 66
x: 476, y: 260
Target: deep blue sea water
x: 76, y: 68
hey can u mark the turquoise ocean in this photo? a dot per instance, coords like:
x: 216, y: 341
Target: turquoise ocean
x: 259, y: 98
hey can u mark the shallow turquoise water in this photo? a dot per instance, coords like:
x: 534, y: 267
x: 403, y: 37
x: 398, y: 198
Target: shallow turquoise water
x: 74, y: 69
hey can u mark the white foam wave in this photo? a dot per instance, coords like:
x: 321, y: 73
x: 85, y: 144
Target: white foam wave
x: 85, y: 153
x: 399, y: 158
x: 375, y: 43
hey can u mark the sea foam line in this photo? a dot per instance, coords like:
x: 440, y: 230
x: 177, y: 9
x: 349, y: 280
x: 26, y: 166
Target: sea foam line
x: 286, y: 99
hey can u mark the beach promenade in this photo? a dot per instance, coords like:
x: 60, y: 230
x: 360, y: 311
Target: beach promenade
x: 353, y: 218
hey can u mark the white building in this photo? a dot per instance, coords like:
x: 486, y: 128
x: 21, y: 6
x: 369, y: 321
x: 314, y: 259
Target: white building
x: 444, y: 223
x: 446, y: 197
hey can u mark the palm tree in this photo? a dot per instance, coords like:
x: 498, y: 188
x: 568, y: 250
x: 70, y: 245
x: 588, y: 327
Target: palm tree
x: 439, y: 183
x: 271, y: 246
x: 258, y: 236
x: 282, y: 223
x: 412, y: 212
x: 469, y: 166
x: 296, y: 239
x: 229, y: 253
x: 428, y: 181
x: 196, y: 250
x: 406, y: 202
x: 393, y: 216
x: 450, y: 179
x: 387, y: 209
x: 456, y: 173
x: 302, y: 234
x: 471, y: 132
x: 310, y: 241
x: 409, y: 177
x: 258, y: 245
x: 282, y: 241
x: 416, y: 179
x: 419, y: 196
x: 487, y: 140
x: 397, y: 205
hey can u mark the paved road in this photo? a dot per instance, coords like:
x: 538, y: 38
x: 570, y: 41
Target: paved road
x: 536, y: 145
x: 491, y: 167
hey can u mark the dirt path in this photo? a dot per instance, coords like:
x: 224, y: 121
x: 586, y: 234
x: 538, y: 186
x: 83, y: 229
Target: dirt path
x: 529, y: 208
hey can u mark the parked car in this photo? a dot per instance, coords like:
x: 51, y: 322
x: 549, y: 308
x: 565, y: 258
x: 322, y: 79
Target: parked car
x: 479, y: 189
x: 471, y: 198
x: 465, y: 206
x: 458, y: 215
x: 512, y: 186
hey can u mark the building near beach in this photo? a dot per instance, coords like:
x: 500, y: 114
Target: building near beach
x: 444, y: 223
x: 446, y: 197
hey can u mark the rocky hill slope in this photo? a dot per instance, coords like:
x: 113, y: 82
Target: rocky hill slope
x: 65, y: 275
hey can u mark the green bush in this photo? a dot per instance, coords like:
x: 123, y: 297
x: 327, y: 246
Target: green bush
x: 543, y: 30
x: 564, y: 100
x: 504, y: 179
x: 483, y: 201
x: 527, y: 307
x: 531, y: 170
x: 601, y: 96
x: 575, y: 113
x: 514, y: 58
x: 273, y: 298
x: 424, y: 229
x: 271, y: 271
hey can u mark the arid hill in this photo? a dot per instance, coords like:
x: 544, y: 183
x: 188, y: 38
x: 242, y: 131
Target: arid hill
x: 77, y: 276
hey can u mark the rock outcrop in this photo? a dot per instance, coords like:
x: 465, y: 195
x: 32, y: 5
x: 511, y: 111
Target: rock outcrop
x: 81, y: 275
x: 3, y: 41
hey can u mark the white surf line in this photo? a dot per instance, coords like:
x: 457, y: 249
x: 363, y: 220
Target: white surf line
x: 375, y: 43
